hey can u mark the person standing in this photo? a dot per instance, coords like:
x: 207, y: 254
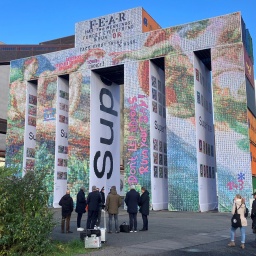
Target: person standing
x: 80, y: 207
x: 113, y: 202
x: 239, y: 205
x: 93, y: 201
x: 144, y: 208
x: 253, y: 212
x: 101, y: 207
x: 67, y: 204
x: 132, y: 200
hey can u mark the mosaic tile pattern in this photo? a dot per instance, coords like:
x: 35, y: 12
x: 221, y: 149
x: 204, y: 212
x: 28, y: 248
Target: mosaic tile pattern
x: 221, y: 34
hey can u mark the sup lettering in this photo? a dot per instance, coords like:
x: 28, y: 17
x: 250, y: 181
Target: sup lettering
x: 63, y: 134
x: 32, y: 136
x: 98, y: 173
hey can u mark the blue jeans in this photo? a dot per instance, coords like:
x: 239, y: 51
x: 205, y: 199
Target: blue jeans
x: 232, y: 234
x: 110, y: 216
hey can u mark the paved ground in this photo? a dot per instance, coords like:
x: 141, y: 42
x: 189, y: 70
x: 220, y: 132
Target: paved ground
x: 170, y: 233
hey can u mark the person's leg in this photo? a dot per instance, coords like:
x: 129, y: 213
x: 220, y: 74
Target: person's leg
x: 232, y: 237
x: 135, y: 222
x: 89, y: 219
x: 242, y: 230
x: 116, y: 223
x: 68, y: 224
x: 62, y: 224
x: 110, y: 222
x: 131, y: 221
x: 144, y: 221
x: 99, y: 218
x: 78, y: 221
x: 94, y: 219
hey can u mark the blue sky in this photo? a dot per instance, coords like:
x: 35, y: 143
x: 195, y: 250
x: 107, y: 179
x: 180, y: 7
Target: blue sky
x: 31, y: 22
x: 35, y: 21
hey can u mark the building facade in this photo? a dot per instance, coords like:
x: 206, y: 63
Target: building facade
x: 187, y: 99
x: 10, y: 52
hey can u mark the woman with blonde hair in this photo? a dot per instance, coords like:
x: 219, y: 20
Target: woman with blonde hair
x: 239, y: 206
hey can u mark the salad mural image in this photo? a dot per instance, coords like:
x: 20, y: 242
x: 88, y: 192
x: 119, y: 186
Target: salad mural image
x: 185, y: 121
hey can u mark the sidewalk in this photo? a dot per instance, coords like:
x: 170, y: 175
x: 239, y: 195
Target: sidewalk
x: 170, y: 233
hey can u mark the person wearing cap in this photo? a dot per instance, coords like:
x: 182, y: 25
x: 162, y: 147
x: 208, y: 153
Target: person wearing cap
x: 132, y: 200
x: 253, y: 213
x: 67, y: 205
x: 93, y: 201
x: 80, y: 207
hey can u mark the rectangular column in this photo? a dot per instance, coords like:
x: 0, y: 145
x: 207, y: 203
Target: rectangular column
x: 105, y: 133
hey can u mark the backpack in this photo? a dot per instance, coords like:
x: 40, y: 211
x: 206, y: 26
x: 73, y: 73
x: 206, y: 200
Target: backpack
x: 246, y: 212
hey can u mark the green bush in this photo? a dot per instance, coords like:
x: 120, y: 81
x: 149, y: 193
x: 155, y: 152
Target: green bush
x: 26, y: 222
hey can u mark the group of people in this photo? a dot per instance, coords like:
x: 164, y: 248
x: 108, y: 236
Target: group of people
x: 239, y: 207
x: 96, y: 202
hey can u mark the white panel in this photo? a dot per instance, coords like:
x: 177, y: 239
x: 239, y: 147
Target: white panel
x: 105, y: 135
x: 205, y: 137
x: 159, y: 181
x: 30, y: 128
x: 61, y: 141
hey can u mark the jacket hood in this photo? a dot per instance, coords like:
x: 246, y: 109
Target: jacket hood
x: 113, y: 192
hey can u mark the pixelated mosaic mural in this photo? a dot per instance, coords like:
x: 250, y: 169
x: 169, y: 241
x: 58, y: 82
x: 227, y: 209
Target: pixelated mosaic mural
x: 230, y: 151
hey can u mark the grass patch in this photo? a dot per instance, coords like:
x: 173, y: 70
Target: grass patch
x: 71, y: 248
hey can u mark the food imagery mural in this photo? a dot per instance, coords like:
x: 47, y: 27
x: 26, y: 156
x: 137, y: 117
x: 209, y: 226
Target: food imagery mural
x: 185, y: 130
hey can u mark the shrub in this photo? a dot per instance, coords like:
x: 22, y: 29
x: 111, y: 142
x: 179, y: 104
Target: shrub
x: 25, y: 219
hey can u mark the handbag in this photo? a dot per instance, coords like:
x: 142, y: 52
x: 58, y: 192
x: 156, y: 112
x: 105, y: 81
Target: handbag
x: 124, y: 227
x: 236, y: 220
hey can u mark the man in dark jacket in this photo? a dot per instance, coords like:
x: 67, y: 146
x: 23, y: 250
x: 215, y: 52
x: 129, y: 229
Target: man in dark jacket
x: 253, y: 213
x: 144, y: 208
x: 80, y: 207
x: 66, y: 202
x: 101, y: 207
x: 93, y: 201
x: 132, y: 200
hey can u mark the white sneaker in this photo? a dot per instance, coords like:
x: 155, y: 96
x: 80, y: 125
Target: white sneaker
x: 135, y: 231
x: 80, y: 229
x: 131, y: 231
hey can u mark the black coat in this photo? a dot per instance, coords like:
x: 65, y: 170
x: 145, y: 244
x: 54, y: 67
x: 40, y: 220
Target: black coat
x: 144, y: 203
x: 103, y: 199
x: 80, y: 202
x: 94, y: 201
x: 66, y: 202
x: 253, y: 213
x: 132, y: 200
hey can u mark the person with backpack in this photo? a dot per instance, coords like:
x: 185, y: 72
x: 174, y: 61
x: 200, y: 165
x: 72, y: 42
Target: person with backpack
x: 239, y: 208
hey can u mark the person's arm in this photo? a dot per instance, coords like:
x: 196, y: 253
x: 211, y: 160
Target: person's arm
x: 107, y: 203
x: 233, y: 208
x: 119, y: 201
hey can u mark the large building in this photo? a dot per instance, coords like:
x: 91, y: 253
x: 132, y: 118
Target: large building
x: 181, y: 100
x: 10, y: 52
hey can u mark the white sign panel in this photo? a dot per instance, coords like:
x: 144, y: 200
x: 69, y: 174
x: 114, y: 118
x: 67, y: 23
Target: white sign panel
x: 109, y: 27
x: 205, y: 137
x: 105, y: 134
x: 30, y: 128
x: 61, y: 148
x: 159, y: 172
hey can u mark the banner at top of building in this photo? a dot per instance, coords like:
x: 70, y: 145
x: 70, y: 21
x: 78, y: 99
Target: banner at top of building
x: 114, y: 26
